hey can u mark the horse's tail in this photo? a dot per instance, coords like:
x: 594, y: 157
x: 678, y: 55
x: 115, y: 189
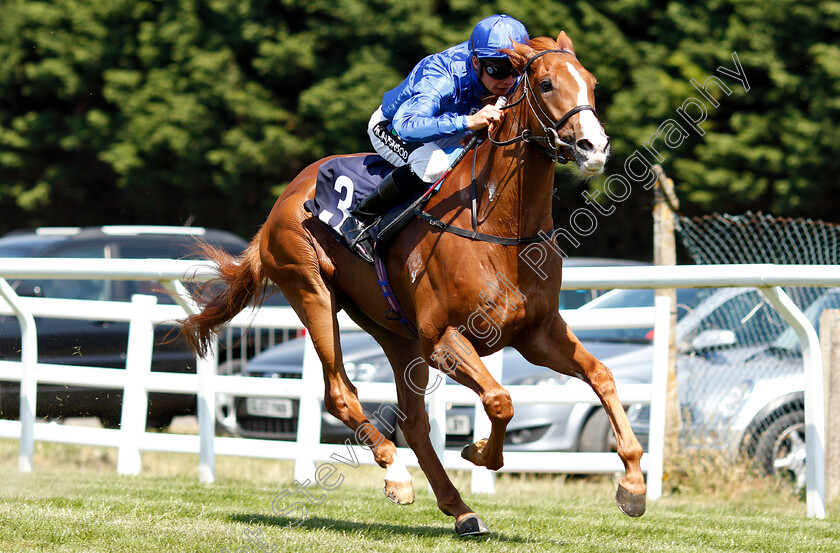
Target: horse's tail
x: 240, y: 282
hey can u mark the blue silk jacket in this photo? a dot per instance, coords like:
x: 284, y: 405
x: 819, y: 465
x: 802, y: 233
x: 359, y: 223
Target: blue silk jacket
x: 435, y: 98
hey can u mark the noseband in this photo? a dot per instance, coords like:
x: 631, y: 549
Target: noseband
x: 550, y: 141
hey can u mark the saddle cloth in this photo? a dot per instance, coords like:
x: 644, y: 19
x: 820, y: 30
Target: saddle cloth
x: 343, y: 181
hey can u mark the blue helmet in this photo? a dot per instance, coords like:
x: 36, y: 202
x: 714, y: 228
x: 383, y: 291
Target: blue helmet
x: 495, y: 32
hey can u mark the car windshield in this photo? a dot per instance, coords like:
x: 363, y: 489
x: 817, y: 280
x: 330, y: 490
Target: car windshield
x: 623, y: 298
x: 631, y: 298
x: 572, y: 299
x: 788, y: 340
x: 80, y: 289
x: 22, y: 246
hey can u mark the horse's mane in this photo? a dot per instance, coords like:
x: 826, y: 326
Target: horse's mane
x: 535, y: 45
x: 541, y: 43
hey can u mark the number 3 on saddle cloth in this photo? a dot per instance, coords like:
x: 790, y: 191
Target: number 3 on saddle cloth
x: 340, y: 184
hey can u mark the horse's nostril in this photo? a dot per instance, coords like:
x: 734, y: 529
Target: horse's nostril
x: 584, y: 144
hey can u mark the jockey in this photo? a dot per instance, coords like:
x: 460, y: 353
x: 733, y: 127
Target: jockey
x: 421, y: 124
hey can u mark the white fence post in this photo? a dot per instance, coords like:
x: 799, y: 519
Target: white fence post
x: 138, y: 364
x: 436, y: 392
x: 436, y: 398
x: 28, y: 381
x: 483, y: 480
x: 309, y: 414
x: 830, y: 345
x: 814, y: 399
x: 206, y: 404
x: 659, y: 392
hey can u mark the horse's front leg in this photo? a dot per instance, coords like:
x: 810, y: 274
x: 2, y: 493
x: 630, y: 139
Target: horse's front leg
x: 552, y: 344
x: 453, y: 355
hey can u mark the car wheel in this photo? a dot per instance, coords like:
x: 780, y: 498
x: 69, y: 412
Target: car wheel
x: 158, y: 422
x: 597, y: 434
x: 111, y: 420
x: 225, y: 408
x: 114, y: 421
x: 780, y: 449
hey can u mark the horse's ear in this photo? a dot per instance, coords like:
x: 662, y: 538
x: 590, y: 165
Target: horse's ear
x: 519, y: 55
x: 564, y: 42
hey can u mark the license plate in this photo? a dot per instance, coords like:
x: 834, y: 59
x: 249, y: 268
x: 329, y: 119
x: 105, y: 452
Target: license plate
x: 458, y: 424
x: 264, y: 407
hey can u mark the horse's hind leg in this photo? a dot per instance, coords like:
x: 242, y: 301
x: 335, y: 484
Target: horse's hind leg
x: 552, y: 344
x: 411, y: 375
x: 315, y: 302
x: 292, y: 257
x: 340, y: 395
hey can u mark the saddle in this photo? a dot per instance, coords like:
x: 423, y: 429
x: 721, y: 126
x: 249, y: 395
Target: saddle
x: 343, y: 181
x: 340, y: 184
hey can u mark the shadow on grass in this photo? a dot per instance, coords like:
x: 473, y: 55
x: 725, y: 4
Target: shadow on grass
x: 320, y: 523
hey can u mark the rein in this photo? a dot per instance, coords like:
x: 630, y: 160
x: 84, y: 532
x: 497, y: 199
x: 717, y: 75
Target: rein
x: 473, y: 234
x: 549, y: 143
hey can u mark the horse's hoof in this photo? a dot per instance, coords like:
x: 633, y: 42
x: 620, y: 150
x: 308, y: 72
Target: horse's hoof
x: 630, y: 504
x: 471, y: 525
x: 475, y: 449
x: 401, y: 493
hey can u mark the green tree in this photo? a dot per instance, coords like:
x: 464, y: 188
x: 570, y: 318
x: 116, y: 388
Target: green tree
x: 165, y: 112
x: 171, y: 111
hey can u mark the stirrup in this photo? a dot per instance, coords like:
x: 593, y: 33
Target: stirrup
x: 364, y: 247
x: 356, y: 234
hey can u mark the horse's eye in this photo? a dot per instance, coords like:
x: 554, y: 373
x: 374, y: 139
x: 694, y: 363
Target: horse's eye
x: 546, y: 86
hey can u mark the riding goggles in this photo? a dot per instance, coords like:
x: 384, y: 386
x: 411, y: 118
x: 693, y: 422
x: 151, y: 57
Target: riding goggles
x: 499, y: 70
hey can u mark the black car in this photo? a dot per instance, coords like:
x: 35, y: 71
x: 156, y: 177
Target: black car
x: 104, y: 343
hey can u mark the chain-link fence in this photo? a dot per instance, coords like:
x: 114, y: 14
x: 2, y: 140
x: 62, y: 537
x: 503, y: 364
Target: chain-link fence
x: 739, y: 366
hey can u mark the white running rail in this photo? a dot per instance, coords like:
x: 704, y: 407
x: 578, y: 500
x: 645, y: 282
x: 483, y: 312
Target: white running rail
x: 138, y: 380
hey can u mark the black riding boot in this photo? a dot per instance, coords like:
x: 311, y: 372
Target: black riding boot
x: 399, y: 183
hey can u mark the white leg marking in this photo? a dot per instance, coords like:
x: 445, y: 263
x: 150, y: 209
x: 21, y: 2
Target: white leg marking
x: 397, y: 471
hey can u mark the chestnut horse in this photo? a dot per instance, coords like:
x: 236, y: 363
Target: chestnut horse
x: 443, y: 281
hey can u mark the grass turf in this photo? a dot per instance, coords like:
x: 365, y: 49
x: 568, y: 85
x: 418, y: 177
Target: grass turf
x: 75, y: 502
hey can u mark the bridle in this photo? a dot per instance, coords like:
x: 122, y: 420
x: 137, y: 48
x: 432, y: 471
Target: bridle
x: 550, y: 142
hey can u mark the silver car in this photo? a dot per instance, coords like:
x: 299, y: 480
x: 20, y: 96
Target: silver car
x: 741, y: 381
x: 536, y: 427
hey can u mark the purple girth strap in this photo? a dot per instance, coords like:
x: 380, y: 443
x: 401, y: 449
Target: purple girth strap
x: 395, y: 313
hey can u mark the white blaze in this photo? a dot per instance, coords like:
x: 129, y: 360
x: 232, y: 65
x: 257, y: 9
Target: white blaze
x: 589, y: 126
